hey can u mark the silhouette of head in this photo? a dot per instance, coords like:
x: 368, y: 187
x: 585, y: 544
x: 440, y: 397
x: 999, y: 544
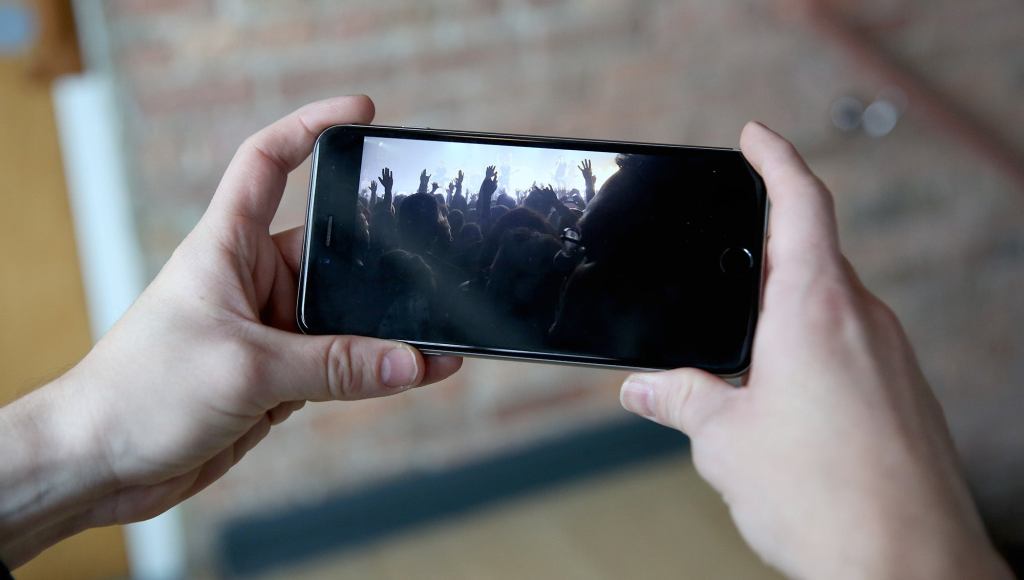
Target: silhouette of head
x: 520, y: 217
x: 506, y: 200
x: 498, y: 212
x: 522, y: 266
x: 401, y: 272
x: 541, y: 200
x: 456, y: 219
x: 419, y: 222
x: 469, y: 234
x: 650, y: 202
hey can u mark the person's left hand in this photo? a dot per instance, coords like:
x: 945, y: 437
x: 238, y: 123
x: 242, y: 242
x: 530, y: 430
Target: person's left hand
x: 208, y: 358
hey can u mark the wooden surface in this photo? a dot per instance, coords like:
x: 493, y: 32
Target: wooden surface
x: 43, y: 324
x: 656, y: 521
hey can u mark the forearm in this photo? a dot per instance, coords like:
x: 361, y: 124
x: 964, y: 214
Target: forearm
x: 936, y: 543
x: 924, y: 557
x: 483, y: 210
x: 50, y: 473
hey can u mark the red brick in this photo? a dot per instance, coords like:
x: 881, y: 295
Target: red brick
x: 342, y: 80
x: 356, y: 23
x: 296, y: 32
x: 144, y: 57
x: 663, y: 70
x: 432, y: 61
x: 207, y: 94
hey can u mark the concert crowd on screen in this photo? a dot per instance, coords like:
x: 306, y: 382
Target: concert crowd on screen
x: 542, y: 268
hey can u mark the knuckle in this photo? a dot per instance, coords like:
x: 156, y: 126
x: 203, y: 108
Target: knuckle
x: 831, y: 303
x: 251, y: 145
x: 672, y: 399
x: 883, y: 313
x: 243, y: 378
x: 251, y: 367
x: 679, y: 403
x: 342, y: 378
x: 792, y: 154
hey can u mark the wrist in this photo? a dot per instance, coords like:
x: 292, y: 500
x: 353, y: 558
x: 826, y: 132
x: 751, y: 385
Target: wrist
x: 53, y: 469
x: 925, y: 547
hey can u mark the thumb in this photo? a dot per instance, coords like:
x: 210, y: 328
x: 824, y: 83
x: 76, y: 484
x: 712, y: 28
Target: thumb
x: 324, y: 368
x: 682, y: 398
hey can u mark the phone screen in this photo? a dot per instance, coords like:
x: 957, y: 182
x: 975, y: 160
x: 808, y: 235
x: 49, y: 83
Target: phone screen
x: 592, y: 252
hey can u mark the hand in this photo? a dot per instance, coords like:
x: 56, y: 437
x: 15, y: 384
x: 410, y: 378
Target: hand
x: 586, y: 168
x: 387, y: 179
x: 199, y: 369
x: 450, y: 189
x: 589, y: 180
x: 424, y: 180
x: 835, y: 460
x: 458, y: 184
x: 548, y: 191
x: 490, y: 182
x: 373, y: 192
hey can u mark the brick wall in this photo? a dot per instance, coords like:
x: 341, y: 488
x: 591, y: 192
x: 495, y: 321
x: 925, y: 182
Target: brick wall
x: 934, y: 229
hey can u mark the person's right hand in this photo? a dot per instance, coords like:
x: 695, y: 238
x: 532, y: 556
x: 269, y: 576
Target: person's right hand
x: 490, y: 182
x: 587, y: 169
x: 387, y: 179
x: 424, y: 181
x: 835, y: 460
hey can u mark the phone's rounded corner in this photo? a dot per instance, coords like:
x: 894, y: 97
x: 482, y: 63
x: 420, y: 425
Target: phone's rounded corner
x: 300, y: 321
x: 735, y: 375
x: 741, y: 368
x: 323, y: 136
x: 333, y: 129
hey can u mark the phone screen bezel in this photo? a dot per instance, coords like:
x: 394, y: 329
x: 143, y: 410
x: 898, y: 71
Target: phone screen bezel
x: 541, y: 142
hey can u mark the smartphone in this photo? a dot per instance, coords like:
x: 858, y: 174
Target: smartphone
x: 602, y: 253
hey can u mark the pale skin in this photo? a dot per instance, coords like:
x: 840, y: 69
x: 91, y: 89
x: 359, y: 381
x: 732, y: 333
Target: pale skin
x: 198, y: 370
x: 835, y: 460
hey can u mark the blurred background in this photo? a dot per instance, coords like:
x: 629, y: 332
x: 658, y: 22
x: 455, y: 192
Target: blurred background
x: 119, y: 116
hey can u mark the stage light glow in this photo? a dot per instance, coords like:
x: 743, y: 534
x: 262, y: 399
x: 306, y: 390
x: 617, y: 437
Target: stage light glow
x: 518, y: 167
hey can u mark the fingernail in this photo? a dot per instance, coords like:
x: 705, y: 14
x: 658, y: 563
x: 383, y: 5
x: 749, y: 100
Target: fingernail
x: 398, y: 369
x: 636, y: 397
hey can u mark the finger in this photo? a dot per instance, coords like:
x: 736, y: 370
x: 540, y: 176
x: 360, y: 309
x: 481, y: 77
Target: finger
x: 279, y: 310
x: 802, y: 224
x: 255, y: 179
x: 682, y: 398
x: 440, y: 368
x: 281, y: 412
x: 289, y: 244
x: 322, y: 368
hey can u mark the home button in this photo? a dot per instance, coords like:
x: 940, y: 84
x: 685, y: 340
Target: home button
x: 735, y: 260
